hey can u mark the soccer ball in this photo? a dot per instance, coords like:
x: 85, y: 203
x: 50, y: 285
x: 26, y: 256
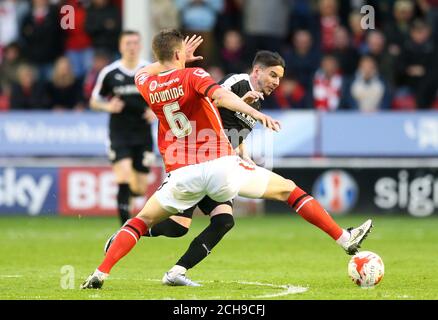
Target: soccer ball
x: 366, y: 269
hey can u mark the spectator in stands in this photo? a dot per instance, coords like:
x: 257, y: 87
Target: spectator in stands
x: 367, y: 91
x: 417, y: 58
x: 376, y: 47
x: 427, y: 96
x: 23, y: 8
x: 8, y: 24
x: 232, y: 54
x: 8, y: 68
x: 64, y: 90
x: 358, y: 33
x: 103, y: 24
x: 347, y: 56
x: 417, y: 65
x: 265, y: 23
x: 42, y: 37
x: 302, y: 60
x: 216, y: 73
x: 28, y: 93
x: 397, y: 31
x: 429, y: 9
x: 100, y: 60
x: 77, y: 42
x: 164, y: 14
x: 327, y: 85
x: 200, y: 17
x: 328, y: 23
x: 302, y: 16
x: 290, y: 94
x: 230, y: 17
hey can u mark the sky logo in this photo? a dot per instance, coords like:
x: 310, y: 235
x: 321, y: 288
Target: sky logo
x: 28, y: 191
x: 336, y: 190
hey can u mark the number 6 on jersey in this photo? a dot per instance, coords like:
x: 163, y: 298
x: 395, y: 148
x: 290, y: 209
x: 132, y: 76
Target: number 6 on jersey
x: 178, y: 121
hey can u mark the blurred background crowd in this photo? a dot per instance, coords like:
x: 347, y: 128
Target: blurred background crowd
x: 332, y: 62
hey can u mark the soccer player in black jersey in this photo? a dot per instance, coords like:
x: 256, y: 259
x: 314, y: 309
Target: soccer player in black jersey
x: 130, y: 137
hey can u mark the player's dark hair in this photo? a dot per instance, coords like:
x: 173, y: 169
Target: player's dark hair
x: 128, y: 33
x: 165, y: 43
x: 268, y: 59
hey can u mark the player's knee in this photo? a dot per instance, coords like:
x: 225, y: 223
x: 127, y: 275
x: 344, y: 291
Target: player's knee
x: 223, y: 222
x: 286, y: 188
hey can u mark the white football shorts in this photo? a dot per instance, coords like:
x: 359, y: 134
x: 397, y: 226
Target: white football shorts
x: 221, y: 179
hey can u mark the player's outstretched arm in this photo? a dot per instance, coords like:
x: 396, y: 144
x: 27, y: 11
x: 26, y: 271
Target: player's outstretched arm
x: 227, y: 99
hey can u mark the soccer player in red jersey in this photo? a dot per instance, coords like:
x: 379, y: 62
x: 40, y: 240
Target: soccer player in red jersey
x: 197, y: 154
x: 268, y: 69
x: 203, y: 164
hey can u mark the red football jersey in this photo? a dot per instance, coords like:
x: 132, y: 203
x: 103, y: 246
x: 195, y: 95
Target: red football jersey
x: 190, y: 128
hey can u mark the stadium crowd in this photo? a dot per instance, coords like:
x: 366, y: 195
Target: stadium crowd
x: 332, y: 62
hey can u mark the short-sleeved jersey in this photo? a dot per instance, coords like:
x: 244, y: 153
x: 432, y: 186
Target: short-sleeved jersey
x: 190, y: 129
x: 129, y: 126
x: 240, y: 85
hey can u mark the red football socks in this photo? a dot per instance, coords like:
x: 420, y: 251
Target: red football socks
x: 125, y: 240
x: 310, y: 209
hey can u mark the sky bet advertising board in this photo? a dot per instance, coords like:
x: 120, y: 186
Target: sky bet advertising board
x: 92, y: 191
x: 65, y: 191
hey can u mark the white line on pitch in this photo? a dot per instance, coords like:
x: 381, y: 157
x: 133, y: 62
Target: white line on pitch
x: 287, y: 289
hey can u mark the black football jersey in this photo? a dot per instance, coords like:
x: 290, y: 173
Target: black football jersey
x: 240, y: 85
x: 129, y: 126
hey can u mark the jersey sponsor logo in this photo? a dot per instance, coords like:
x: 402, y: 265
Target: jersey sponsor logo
x: 28, y: 190
x: 153, y: 85
x: 336, y: 190
x: 248, y: 120
x: 119, y: 77
x: 125, y: 90
x: 201, y: 73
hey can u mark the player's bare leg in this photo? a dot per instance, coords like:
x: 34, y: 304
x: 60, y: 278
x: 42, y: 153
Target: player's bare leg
x: 221, y: 221
x: 125, y: 240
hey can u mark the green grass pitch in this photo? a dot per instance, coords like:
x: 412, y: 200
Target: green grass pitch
x: 270, y: 257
